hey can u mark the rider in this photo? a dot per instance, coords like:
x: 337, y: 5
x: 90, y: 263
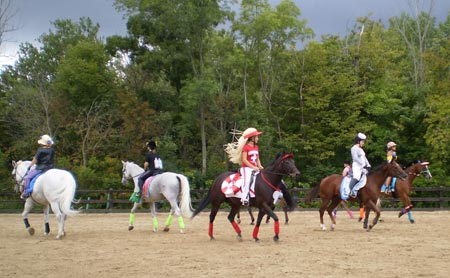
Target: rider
x: 360, y: 163
x: 246, y: 153
x: 43, y: 161
x: 390, y: 155
x: 347, y: 171
x: 152, y: 165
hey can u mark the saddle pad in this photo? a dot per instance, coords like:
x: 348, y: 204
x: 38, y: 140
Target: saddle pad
x: 345, y: 187
x: 231, y: 186
x: 146, y: 187
x: 33, y: 181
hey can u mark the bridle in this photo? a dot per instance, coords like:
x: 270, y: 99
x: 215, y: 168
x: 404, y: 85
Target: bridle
x: 275, y: 173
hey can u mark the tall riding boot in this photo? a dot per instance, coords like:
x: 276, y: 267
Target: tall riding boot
x: 351, y: 185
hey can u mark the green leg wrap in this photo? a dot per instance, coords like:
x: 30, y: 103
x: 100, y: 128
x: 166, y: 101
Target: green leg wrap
x: 155, y: 223
x: 134, y: 198
x: 181, y: 222
x: 169, y: 220
x: 131, y: 218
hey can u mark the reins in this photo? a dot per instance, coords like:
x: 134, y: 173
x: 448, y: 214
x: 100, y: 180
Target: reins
x: 269, y: 183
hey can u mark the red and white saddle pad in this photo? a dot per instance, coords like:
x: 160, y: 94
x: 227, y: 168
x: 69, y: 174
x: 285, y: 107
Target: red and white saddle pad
x: 231, y: 186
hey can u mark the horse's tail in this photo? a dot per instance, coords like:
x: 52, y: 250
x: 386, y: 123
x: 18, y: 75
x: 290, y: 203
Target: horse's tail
x: 185, y: 202
x: 313, y: 193
x: 203, y: 203
x: 287, y: 197
x: 68, y: 195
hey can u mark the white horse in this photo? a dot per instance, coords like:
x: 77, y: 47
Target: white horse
x: 168, y: 185
x: 55, y: 188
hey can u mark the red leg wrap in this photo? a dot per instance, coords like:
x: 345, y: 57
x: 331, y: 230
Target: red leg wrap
x: 210, y: 230
x: 236, y: 227
x: 255, y: 232
x: 276, y: 227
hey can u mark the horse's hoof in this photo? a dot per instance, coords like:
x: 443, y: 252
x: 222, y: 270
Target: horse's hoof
x: 276, y: 238
x: 130, y: 228
x: 46, y: 234
x: 166, y: 229
x: 181, y: 231
x: 332, y: 227
x: 257, y: 240
x: 322, y: 227
x: 31, y: 231
x: 212, y: 238
x: 412, y: 221
x: 239, y: 238
x: 400, y: 214
x: 359, y: 219
x: 253, y: 223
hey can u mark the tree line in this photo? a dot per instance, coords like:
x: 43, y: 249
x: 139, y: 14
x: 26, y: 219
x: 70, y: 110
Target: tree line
x: 190, y: 72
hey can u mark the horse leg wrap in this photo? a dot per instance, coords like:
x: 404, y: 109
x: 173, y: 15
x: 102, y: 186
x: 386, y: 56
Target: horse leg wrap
x: 210, y: 229
x: 155, y: 223
x: 131, y: 218
x: 27, y: 224
x: 47, y: 228
x: 255, y: 232
x: 181, y: 222
x: 361, y: 213
x: 236, y: 227
x: 276, y: 227
x: 169, y: 220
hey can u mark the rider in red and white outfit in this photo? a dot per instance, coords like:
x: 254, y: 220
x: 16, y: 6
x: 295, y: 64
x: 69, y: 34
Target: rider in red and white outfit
x: 245, y: 152
x: 250, y: 161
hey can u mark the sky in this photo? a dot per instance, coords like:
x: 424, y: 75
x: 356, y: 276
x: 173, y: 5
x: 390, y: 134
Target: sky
x: 34, y: 17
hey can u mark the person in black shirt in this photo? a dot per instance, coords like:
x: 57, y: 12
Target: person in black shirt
x: 43, y: 160
x: 152, y: 165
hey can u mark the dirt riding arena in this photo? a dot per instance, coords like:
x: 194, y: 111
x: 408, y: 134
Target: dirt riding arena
x: 99, y: 245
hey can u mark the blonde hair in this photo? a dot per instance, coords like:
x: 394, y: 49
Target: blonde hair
x: 234, y: 149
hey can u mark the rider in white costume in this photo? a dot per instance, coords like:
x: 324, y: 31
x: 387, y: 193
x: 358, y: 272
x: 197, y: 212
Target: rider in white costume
x: 360, y: 163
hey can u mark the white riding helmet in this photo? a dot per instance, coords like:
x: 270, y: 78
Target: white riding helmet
x: 361, y: 136
x: 391, y: 144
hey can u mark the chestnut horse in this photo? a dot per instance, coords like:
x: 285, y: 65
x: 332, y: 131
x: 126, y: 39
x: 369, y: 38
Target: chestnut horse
x: 266, y: 184
x: 329, y: 190
x: 403, y: 188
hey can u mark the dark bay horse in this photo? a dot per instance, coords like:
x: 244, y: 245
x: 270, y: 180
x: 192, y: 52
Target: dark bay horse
x: 267, y: 182
x: 403, y: 188
x: 329, y: 191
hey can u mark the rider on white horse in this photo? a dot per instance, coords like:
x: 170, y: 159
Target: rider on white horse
x: 43, y: 161
x: 152, y: 165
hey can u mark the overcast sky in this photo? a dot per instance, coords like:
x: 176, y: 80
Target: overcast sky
x: 34, y: 17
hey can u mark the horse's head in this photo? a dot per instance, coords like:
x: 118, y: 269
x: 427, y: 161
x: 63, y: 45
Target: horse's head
x: 395, y: 170
x: 19, y: 172
x: 421, y: 168
x: 125, y: 173
x: 285, y: 165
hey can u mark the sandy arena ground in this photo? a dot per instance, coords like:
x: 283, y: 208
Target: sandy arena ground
x: 99, y: 245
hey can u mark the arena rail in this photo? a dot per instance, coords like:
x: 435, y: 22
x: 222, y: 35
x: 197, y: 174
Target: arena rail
x: 114, y: 200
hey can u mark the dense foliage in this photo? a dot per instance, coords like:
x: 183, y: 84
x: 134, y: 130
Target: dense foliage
x: 196, y: 70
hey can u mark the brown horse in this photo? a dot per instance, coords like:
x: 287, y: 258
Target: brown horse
x: 404, y: 188
x: 329, y: 190
x: 267, y: 182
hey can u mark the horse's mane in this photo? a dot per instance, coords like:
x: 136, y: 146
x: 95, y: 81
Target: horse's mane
x: 277, y: 157
x: 378, y: 167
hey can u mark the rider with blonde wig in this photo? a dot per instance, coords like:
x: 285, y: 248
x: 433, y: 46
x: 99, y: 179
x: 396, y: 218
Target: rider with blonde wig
x: 245, y: 152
